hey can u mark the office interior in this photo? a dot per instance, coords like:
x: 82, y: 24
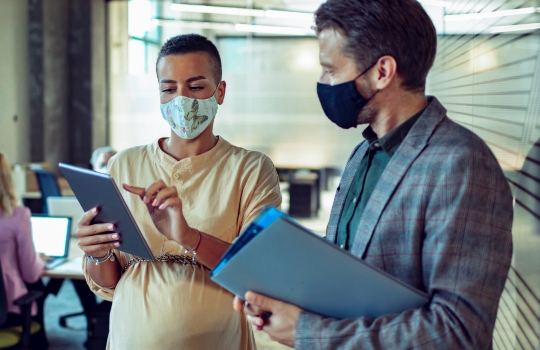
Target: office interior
x: 80, y: 74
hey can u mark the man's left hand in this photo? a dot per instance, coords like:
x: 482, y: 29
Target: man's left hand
x: 276, y: 318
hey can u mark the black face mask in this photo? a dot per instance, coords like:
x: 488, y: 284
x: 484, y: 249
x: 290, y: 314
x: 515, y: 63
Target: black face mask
x: 342, y: 103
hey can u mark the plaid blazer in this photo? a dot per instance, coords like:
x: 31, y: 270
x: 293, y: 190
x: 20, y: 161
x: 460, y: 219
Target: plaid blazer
x: 439, y: 219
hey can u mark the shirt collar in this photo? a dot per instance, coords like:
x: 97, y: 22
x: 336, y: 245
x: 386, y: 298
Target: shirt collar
x: 391, y: 141
x: 192, y: 163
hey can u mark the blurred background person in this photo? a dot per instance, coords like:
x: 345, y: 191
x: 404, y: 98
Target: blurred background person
x: 100, y: 158
x: 21, y: 265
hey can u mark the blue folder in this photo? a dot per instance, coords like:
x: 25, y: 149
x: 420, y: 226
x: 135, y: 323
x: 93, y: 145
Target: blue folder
x: 278, y: 257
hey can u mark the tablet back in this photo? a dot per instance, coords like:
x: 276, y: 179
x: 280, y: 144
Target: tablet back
x: 94, y: 189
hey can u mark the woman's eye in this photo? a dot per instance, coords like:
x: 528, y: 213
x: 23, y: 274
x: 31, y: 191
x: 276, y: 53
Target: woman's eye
x: 196, y: 88
x: 167, y: 90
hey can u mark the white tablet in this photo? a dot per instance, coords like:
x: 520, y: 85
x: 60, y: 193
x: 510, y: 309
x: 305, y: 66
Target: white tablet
x: 94, y: 189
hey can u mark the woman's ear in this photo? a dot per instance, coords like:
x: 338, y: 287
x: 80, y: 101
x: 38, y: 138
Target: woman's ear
x: 220, y: 93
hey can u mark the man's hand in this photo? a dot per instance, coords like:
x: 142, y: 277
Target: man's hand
x: 165, y: 208
x: 276, y: 318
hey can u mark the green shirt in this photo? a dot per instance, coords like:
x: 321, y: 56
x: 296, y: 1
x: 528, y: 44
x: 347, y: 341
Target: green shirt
x: 379, y: 153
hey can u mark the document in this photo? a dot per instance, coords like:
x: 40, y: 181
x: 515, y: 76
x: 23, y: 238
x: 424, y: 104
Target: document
x: 278, y: 257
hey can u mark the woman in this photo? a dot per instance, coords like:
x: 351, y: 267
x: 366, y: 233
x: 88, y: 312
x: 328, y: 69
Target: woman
x: 20, y: 263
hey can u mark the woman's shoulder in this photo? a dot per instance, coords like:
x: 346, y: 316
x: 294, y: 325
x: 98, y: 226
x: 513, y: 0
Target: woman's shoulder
x: 22, y: 211
x: 19, y: 214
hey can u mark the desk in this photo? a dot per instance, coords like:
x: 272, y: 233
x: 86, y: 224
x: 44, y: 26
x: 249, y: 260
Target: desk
x: 67, y: 192
x: 71, y: 269
x: 93, y: 310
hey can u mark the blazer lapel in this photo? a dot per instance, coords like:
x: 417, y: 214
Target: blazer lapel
x: 344, y: 185
x: 411, y: 147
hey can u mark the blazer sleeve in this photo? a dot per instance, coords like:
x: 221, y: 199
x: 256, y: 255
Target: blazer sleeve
x: 466, y: 255
x: 30, y: 266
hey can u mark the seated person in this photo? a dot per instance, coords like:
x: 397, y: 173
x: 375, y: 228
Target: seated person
x: 100, y: 158
x: 20, y: 263
x: 194, y: 194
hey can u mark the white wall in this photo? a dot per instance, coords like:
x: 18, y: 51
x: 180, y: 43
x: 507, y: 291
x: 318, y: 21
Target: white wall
x: 14, y: 89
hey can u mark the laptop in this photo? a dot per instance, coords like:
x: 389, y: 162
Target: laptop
x: 66, y: 206
x: 51, y: 237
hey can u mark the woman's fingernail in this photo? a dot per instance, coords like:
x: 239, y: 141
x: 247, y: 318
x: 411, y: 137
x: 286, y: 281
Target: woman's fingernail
x: 94, y: 210
x: 115, y: 236
x: 145, y: 200
x: 154, y: 203
x: 162, y: 206
x: 110, y: 227
x: 117, y: 244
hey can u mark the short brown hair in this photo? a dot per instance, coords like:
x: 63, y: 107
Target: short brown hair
x: 8, y: 200
x: 376, y: 28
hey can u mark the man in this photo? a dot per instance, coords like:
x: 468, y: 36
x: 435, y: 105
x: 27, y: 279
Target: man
x: 194, y: 194
x: 422, y: 198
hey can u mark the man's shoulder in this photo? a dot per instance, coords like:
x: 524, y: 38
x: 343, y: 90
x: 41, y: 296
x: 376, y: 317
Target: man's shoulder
x: 453, y: 139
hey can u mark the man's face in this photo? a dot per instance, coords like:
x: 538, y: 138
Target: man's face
x: 338, y: 69
x: 188, y: 75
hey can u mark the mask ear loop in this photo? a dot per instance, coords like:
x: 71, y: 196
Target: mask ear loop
x: 217, y: 87
x: 364, y: 72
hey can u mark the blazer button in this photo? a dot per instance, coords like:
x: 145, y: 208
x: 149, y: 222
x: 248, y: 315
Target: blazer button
x: 176, y: 176
x: 342, y: 246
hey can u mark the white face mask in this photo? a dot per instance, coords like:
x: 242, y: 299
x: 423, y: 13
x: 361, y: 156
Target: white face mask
x: 189, y: 117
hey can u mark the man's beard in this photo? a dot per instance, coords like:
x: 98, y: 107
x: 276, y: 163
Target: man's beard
x: 366, y: 116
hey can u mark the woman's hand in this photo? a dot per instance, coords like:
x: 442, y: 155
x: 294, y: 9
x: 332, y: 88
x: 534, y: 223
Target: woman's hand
x: 92, y: 239
x: 165, y: 208
x: 43, y: 257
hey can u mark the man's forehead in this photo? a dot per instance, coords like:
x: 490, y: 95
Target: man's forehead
x: 330, y: 37
x: 330, y: 43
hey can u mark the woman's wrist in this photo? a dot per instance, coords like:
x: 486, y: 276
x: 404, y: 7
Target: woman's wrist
x: 191, y: 240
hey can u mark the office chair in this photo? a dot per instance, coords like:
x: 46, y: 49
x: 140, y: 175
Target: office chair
x: 48, y: 186
x: 17, y: 337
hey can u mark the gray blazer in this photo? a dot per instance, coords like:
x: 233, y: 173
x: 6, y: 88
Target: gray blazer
x: 440, y: 220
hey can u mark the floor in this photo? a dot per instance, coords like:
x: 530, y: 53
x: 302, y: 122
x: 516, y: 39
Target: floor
x: 66, y: 302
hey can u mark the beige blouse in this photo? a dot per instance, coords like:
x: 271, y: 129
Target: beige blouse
x: 169, y: 304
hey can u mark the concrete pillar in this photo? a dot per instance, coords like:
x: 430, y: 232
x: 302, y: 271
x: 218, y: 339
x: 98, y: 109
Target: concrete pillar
x: 56, y: 94
x: 35, y: 89
x: 68, y: 68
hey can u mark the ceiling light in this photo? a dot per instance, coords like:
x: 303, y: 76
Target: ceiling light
x: 302, y: 16
x: 253, y: 28
x: 238, y: 11
x: 218, y: 10
x: 195, y: 24
x: 495, y: 14
x: 515, y: 28
x: 247, y: 28
x: 437, y: 3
